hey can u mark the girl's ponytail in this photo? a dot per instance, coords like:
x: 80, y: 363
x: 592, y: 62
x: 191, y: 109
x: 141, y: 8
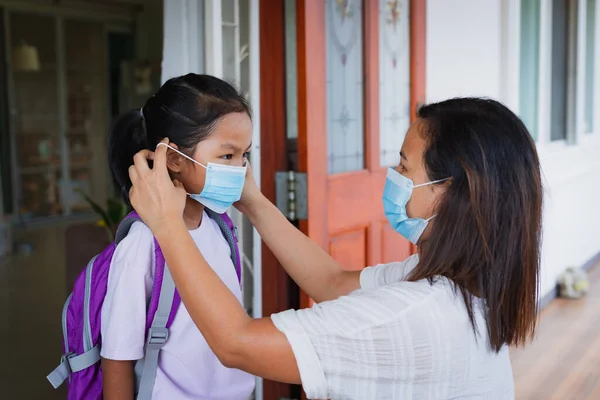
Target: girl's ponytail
x: 127, y: 137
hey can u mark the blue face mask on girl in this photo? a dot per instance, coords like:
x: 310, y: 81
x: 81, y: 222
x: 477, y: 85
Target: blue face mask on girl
x: 398, y: 190
x: 223, y: 184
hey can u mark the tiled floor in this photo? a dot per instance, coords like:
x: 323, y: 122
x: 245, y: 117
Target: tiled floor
x: 32, y: 292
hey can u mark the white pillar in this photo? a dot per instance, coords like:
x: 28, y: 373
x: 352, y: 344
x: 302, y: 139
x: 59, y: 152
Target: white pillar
x: 510, y: 48
x: 214, y: 37
x: 183, y: 41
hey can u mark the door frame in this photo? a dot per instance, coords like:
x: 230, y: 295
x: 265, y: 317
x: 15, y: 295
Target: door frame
x: 276, y: 293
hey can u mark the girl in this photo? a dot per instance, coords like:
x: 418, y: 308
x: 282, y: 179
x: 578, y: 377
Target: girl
x: 210, y: 129
x: 467, y: 191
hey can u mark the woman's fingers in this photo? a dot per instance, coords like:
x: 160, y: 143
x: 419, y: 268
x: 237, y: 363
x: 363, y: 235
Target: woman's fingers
x: 153, y: 195
x: 160, y: 154
x: 133, y: 175
x: 140, y: 162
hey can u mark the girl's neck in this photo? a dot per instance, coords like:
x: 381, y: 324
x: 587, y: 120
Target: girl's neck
x: 192, y: 214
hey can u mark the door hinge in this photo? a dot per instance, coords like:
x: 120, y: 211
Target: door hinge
x: 290, y: 196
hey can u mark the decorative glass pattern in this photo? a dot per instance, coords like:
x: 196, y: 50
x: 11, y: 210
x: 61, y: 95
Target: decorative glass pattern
x: 394, y: 78
x: 344, y: 45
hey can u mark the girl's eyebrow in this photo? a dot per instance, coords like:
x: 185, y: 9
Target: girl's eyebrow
x: 234, y: 147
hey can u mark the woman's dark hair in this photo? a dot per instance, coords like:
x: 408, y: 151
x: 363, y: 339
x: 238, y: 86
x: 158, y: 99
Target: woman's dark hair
x: 486, y: 235
x: 185, y: 109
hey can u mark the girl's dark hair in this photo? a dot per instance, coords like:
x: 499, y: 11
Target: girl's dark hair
x: 185, y: 109
x: 486, y: 235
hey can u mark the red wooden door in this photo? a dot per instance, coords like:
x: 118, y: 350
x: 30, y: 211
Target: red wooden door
x: 345, y: 213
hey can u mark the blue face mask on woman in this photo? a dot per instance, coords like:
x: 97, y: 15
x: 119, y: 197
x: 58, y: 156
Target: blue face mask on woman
x: 223, y: 184
x: 398, y: 190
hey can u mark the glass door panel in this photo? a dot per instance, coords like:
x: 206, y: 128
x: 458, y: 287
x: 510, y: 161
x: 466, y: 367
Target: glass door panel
x: 35, y: 114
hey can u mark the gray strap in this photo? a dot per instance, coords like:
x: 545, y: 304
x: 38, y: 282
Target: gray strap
x: 124, y: 227
x: 88, y: 343
x: 157, y: 336
x: 229, y: 236
x: 70, y: 364
x: 84, y: 360
x: 60, y: 374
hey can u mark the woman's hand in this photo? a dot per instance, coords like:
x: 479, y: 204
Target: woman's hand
x: 156, y: 198
x: 251, y: 193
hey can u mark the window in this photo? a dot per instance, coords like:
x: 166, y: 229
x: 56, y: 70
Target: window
x: 530, y: 64
x: 344, y: 54
x: 590, y: 59
x: 562, y: 67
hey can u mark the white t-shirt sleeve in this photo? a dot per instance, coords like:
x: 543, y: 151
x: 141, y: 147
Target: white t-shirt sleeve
x: 130, y: 279
x: 386, y: 274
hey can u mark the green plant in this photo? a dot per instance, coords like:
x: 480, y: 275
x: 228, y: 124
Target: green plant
x: 110, y: 217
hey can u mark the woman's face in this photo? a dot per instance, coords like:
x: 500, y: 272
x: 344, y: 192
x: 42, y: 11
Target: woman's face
x: 229, y: 144
x: 424, y: 200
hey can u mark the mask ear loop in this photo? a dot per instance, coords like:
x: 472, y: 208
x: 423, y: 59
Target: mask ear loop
x: 177, y: 151
x: 432, y: 183
x: 180, y: 153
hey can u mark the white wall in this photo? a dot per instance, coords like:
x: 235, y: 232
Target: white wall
x: 467, y: 55
x: 463, y: 48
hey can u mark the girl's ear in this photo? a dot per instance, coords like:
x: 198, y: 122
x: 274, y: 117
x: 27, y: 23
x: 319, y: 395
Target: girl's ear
x: 174, y: 160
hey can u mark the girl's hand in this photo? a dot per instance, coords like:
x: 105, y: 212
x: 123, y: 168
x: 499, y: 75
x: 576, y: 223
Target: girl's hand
x: 251, y: 193
x: 158, y: 200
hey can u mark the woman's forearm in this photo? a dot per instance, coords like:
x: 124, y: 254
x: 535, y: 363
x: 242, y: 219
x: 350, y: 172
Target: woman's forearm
x: 201, y: 289
x: 315, y: 271
x: 252, y: 345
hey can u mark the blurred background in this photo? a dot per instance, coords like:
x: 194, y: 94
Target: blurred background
x: 333, y: 84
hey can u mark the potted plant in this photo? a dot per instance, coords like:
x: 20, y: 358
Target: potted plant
x: 83, y: 241
x: 111, y: 217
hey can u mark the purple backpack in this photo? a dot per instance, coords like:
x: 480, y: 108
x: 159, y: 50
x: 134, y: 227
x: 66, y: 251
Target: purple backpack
x: 81, y: 317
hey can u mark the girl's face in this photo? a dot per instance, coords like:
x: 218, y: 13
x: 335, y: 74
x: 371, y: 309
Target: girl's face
x: 424, y: 200
x: 229, y: 144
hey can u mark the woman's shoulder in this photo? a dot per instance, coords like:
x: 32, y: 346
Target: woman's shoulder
x: 386, y: 274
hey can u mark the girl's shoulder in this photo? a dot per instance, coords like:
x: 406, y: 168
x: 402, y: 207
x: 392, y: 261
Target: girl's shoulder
x: 136, y: 248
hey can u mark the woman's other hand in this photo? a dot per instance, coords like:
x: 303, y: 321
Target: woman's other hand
x: 153, y: 195
x: 251, y: 193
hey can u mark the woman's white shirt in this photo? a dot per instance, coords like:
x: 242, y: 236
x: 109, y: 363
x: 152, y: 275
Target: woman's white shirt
x: 394, y: 339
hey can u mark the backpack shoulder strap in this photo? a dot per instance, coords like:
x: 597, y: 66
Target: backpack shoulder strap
x: 230, y: 233
x: 163, y: 307
x: 125, y: 226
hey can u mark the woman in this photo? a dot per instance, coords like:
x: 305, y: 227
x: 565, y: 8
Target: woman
x: 436, y: 326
